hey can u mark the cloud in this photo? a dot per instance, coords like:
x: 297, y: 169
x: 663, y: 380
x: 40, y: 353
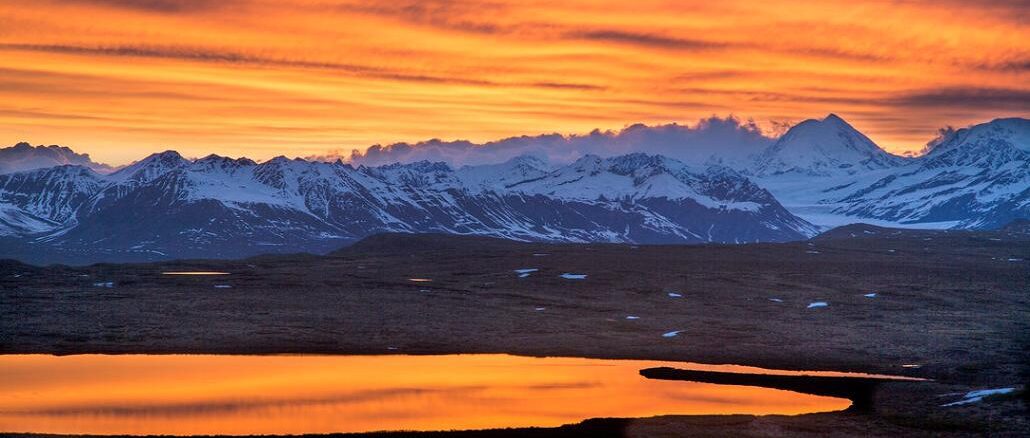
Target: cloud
x: 229, y: 57
x: 199, y: 54
x: 696, y: 144
x: 944, y: 135
x: 459, y: 15
x: 646, y: 39
x: 160, y: 6
x: 1018, y: 65
x: 967, y: 98
x: 1016, y: 11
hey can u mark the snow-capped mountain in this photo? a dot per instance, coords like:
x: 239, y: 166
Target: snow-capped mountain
x: 166, y: 206
x: 23, y: 156
x: 977, y: 177
x: 822, y: 148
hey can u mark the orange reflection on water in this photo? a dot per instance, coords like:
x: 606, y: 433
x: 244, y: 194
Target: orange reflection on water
x: 209, y: 394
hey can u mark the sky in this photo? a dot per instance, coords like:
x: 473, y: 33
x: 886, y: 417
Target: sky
x: 259, y: 78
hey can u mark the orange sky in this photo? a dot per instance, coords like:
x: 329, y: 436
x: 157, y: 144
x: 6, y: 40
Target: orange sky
x: 122, y: 78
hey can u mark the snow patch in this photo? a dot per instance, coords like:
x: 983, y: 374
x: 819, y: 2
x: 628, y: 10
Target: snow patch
x: 524, y: 272
x: 978, y: 395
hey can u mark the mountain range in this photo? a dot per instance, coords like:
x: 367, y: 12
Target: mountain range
x: 63, y: 208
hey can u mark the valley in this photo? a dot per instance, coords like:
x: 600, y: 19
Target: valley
x: 946, y: 305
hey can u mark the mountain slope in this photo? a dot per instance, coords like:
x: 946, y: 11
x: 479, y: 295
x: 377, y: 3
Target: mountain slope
x: 51, y: 196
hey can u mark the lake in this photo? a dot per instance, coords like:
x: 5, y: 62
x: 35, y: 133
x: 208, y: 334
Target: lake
x: 239, y: 395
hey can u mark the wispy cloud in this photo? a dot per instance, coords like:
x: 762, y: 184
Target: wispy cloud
x: 163, y: 6
x: 647, y: 39
x: 999, y: 99
x: 459, y: 15
x: 215, y: 56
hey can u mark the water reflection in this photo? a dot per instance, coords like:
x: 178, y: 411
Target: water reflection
x: 182, y: 395
x: 194, y: 273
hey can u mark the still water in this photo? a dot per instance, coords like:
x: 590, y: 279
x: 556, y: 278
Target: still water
x: 237, y: 395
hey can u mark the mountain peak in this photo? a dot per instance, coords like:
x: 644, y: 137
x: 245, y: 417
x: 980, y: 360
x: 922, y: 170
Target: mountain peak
x: 167, y: 158
x: 168, y: 155
x: 504, y: 175
x: 832, y: 123
x: 837, y: 122
x: 278, y: 159
x: 151, y: 167
x: 823, y: 147
x: 215, y: 160
x: 834, y: 118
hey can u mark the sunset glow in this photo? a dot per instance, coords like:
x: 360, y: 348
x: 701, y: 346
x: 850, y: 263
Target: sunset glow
x: 259, y: 78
